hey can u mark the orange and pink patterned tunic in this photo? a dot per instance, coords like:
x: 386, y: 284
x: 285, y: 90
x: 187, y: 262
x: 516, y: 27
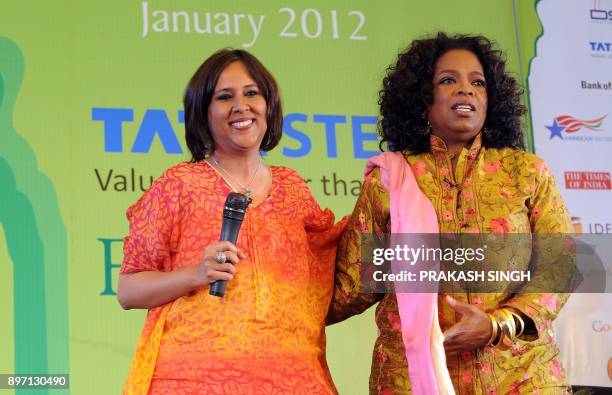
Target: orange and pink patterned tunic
x: 267, y: 335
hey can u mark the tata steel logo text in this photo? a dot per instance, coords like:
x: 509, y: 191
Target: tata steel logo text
x: 600, y: 49
x: 600, y: 15
x: 600, y: 46
x: 566, y: 125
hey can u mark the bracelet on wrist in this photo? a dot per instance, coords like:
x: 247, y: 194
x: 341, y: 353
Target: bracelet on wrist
x: 494, y: 330
x: 507, y: 329
x: 520, y: 323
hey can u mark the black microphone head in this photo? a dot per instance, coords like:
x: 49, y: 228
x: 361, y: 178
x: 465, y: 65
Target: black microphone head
x: 235, y: 206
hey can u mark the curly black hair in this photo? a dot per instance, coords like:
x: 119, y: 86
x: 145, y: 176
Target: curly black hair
x: 407, y: 93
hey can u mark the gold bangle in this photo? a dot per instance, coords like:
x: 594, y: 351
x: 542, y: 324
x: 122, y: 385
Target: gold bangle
x: 503, y: 329
x: 508, y: 337
x: 511, y: 324
x: 507, y: 328
x: 494, y: 330
x: 520, y: 321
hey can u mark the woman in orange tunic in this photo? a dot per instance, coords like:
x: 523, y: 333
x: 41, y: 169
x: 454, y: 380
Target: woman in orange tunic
x: 266, y: 335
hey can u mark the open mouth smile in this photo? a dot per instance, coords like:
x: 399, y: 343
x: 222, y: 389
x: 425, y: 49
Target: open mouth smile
x: 242, y: 123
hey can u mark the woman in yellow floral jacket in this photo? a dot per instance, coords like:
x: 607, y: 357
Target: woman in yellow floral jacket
x: 451, y: 109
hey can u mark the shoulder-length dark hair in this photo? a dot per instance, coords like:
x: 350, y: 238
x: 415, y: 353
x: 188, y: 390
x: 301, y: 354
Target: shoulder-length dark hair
x: 199, y: 93
x: 407, y: 93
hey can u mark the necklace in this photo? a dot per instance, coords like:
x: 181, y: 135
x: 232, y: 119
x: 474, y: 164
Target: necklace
x: 246, y: 188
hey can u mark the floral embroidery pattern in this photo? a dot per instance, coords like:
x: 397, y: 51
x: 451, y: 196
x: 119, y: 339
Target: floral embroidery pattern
x: 492, y: 167
x: 492, y: 190
x: 419, y: 168
x: 499, y: 225
x: 549, y: 301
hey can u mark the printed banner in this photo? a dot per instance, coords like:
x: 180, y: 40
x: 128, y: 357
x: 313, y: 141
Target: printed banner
x: 570, y: 90
x: 91, y: 114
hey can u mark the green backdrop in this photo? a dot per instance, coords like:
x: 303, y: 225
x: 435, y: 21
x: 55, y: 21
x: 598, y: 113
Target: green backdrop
x: 86, y: 85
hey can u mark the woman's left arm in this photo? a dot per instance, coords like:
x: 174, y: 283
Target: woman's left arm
x: 370, y: 210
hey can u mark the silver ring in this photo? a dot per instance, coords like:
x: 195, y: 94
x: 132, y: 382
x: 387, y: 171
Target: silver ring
x: 220, y: 257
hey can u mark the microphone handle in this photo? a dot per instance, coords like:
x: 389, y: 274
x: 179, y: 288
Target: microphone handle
x: 230, y: 229
x: 229, y: 232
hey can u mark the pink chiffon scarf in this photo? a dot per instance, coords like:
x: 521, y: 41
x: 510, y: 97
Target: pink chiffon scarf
x: 412, y: 212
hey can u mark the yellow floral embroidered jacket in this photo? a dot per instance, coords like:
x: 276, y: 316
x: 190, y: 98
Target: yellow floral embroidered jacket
x: 491, y: 191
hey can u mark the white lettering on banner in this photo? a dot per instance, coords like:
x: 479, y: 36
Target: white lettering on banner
x: 313, y: 24
x: 587, y: 180
x: 221, y: 23
x: 309, y: 23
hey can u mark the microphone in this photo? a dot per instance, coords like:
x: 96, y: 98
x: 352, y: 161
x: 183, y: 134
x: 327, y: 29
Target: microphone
x: 233, y: 214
